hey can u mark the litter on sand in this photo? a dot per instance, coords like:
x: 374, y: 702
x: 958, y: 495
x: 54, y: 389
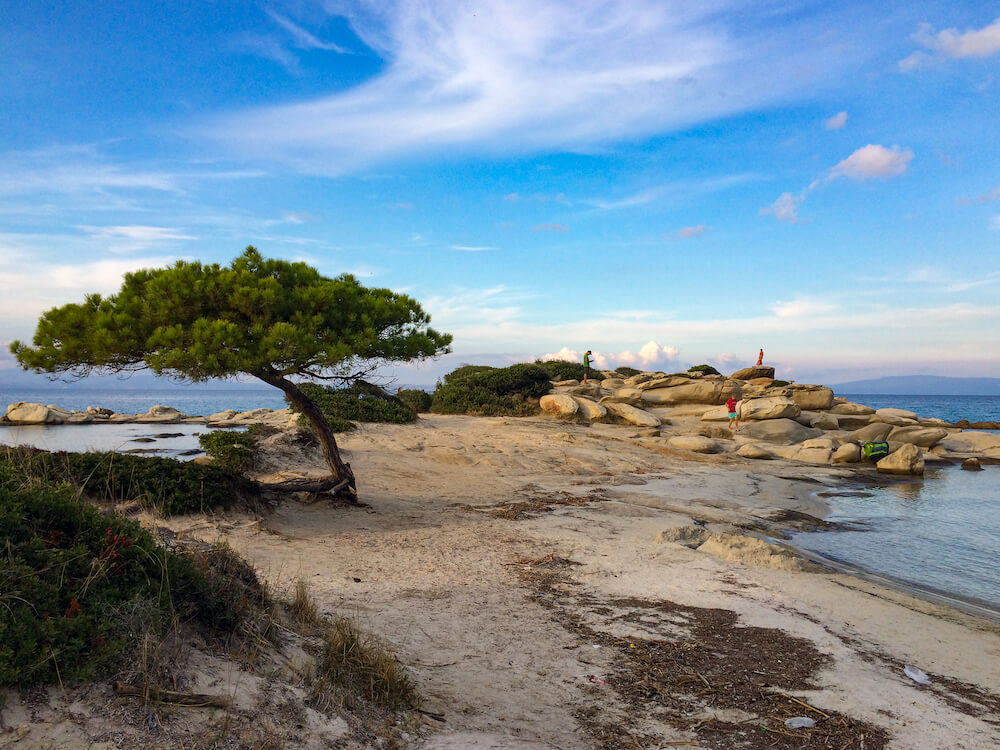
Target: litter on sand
x: 800, y: 722
x: 917, y: 675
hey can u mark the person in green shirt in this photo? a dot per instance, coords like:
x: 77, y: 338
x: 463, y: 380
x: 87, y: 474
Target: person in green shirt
x: 586, y: 364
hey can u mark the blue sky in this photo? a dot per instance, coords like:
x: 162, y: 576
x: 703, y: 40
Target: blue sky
x: 663, y: 183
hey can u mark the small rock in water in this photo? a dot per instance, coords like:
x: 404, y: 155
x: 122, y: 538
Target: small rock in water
x: 143, y: 440
x: 168, y: 435
x: 972, y: 464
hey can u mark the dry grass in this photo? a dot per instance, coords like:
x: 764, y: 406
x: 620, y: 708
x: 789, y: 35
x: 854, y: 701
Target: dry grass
x: 302, y: 607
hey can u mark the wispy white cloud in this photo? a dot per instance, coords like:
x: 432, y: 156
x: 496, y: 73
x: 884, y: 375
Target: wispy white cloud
x: 302, y: 38
x: 687, y: 232
x: 531, y: 75
x: 472, y: 248
x: 641, y: 198
x: 551, y: 228
x: 873, y: 161
x: 134, y: 237
x: 836, y: 122
x: 992, y: 195
x: 785, y: 207
x: 802, y: 307
x: 868, y: 162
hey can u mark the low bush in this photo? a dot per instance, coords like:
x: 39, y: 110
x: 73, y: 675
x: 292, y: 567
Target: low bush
x: 779, y: 383
x: 360, y: 402
x: 461, y: 373
x: 707, y: 369
x: 416, y: 399
x: 493, y: 391
x: 236, y: 451
x: 561, y: 369
x: 627, y: 371
x: 74, y: 585
x: 164, y: 484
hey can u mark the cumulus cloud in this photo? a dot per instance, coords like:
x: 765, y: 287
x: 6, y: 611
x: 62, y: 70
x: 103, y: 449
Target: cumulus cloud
x: 785, y: 208
x: 836, y: 122
x: 526, y: 76
x: 651, y: 356
x: 953, y: 44
x: 696, y: 231
x: 873, y: 161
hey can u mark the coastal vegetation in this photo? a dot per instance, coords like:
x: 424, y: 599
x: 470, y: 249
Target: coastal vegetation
x: 271, y: 319
x: 235, y: 451
x: 492, y: 391
x: 704, y: 370
x: 359, y: 402
x: 162, y: 484
x: 560, y: 369
x: 79, y: 590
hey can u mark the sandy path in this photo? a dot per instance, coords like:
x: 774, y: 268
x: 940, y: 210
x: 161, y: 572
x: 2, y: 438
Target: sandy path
x: 444, y: 584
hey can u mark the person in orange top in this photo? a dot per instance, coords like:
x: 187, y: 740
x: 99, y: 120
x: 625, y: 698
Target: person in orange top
x: 760, y: 358
x: 734, y: 418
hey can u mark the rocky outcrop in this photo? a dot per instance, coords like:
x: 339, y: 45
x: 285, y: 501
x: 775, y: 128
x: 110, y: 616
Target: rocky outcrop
x: 632, y: 415
x: 872, y: 433
x: 972, y: 464
x: 848, y: 453
x: 559, y: 404
x: 708, y: 390
x: 901, y: 413
x: 779, y: 431
x: 907, y: 460
x: 160, y: 413
x: 694, y: 443
x: 753, y: 373
x: 815, y: 451
x: 612, y: 384
x: 812, y: 397
x: 24, y: 412
x: 589, y: 410
x: 924, y: 437
x: 754, y: 451
x: 764, y: 407
x: 849, y: 407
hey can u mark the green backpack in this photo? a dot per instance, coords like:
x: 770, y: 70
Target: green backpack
x: 874, y: 451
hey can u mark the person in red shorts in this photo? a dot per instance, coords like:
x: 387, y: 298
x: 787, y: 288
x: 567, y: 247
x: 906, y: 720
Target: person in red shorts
x: 734, y: 418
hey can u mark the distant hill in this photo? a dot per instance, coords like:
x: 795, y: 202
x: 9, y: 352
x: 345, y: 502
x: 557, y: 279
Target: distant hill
x: 921, y: 385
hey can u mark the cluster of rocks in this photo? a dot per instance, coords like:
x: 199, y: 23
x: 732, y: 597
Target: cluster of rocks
x: 25, y: 413
x: 777, y: 419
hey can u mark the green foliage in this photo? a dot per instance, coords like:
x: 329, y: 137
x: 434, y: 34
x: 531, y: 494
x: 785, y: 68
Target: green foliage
x: 361, y: 402
x: 561, y: 369
x: 268, y: 318
x: 461, y: 373
x: 707, y: 369
x: 416, y: 399
x: 230, y: 450
x: 779, y: 383
x: 169, y: 486
x: 71, y: 582
x: 493, y: 391
x: 627, y: 371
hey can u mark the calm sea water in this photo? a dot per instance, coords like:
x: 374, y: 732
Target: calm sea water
x: 948, y: 408
x: 193, y: 401
x: 941, y: 533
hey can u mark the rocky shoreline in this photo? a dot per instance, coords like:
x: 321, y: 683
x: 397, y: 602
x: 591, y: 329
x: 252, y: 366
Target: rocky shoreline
x: 682, y: 412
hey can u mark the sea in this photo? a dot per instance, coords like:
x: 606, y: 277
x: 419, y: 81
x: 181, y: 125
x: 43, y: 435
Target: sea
x: 939, y: 534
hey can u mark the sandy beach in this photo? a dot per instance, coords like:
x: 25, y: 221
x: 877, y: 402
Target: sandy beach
x: 539, y: 579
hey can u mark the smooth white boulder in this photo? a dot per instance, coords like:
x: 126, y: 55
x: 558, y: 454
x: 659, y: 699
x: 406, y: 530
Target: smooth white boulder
x: 849, y: 407
x: 559, y: 404
x: 907, y: 460
x: 613, y: 384
x: 848, y: 453
x: 25, y: 412
x: 589, y: 409
x: 815, y: 451
x: 694, y: 443
x: 632, y: 415
x: 904, y: 413
x: 780, y: 431
x: 701, y: 391
x: 812, y: 397
x: 752, y: 450
x: 924, y: 437
x: 875, y: 432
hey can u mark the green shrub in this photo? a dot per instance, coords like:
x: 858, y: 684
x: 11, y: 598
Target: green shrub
x: 779, y: 383
x: 627, y: 371
x: 493, y: 391
x: 416, y: 399
x: 561, y: 369
x: 707, y: 369
x: 73, y: 581
x: 229, y: 449
x: 461, y: 373
x: 361, y: 402
x: 164, y: 484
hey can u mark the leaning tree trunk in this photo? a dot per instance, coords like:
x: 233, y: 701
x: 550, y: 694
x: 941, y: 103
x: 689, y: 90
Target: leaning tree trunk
x: 343, y: 478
